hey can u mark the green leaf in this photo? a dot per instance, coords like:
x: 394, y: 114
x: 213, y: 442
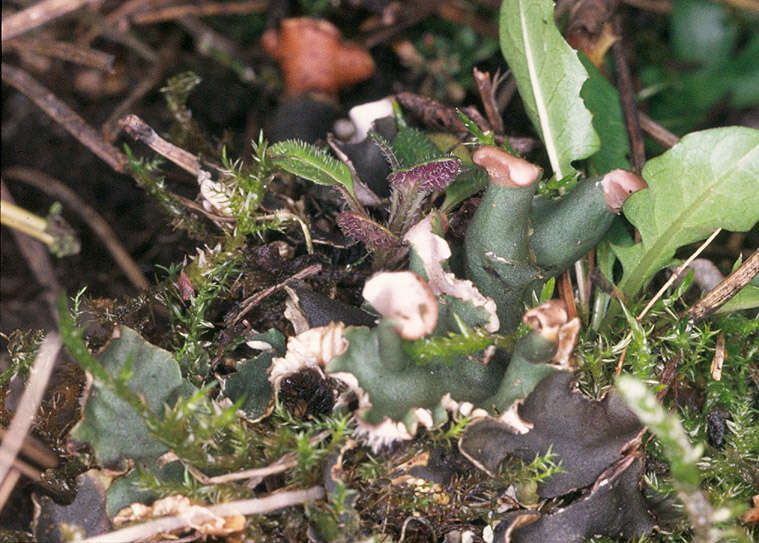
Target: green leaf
x: 471, y: 180
x: 109, y: 424
x: 482, y: 137
x: 707, y: 181
x: 411, y: 147
x: 549, y: 77
x: 310, y: 162
x: 602, y: 99
x: 746, y: 298
x: 251, y: 382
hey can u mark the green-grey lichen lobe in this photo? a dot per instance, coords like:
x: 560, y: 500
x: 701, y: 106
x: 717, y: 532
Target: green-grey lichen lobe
x: 396, y: 384
x: 571, y: 228
x: 497, y: 256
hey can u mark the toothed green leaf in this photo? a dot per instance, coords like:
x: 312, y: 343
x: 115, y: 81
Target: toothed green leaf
x: 310, y: 162
x: 549, y: 77
x: 707, y: 181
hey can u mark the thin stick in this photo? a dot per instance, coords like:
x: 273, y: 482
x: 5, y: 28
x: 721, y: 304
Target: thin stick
x: 487, y: 94
x: 627, y: 97
x: 30, y: 401
x: 256, y: 506
x: 720, y: 294
x: 155, y: 75
x: 110, y: 128
x: 37, y: 15
x: 251, y: 301
x: 205, y: 9
x: 141, y: 131
x: 719, y: 357
x: 280, y: 465
x: 38, y: 259
x: 26, y: 469
x: 7, y: 486
x: 678, y: 272
x: 35, y: 450
x: 115, y: 20
x: 63, y: 50
x: 25, y: 221
x: 567, y: 294
x: 58, y: 190
x: 583, y: 290
x: 277, y: 467
x: 658, y: 133
x: 64, y: 115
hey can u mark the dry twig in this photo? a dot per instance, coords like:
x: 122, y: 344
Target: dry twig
x: 64, y: 115
x: 58, y: 190
x: 141, y: 131
x: 62, y: 50
x: 658, y: 133
x: 567, y: 294
x: 37, y: 15
x: 251, y: 301
x: 487, y: 88
x: 720, y: 294
x: 204, y: 9
x: 678, y: 272
x: 627, y: 97
x: 256, y: 506
x: 30, y: 402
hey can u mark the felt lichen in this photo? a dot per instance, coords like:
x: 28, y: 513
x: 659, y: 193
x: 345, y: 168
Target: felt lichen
x: 396, y: 393
x: 516, y: 240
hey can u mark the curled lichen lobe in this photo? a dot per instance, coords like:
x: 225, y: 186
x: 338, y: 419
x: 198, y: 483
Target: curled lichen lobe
x: 504, y: 169
x: 618, y: 185
x: 429, y: 176
x: 407, y: 299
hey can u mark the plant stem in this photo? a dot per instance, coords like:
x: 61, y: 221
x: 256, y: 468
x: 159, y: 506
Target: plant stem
x: 26, y: 222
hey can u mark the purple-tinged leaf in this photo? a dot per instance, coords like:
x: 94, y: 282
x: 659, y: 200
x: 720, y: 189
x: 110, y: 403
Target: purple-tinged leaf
x: 429, y: 176
x: 374, y: 235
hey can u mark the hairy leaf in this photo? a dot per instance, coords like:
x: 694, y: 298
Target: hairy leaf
x: 707, y: 181
x: 549, y: 77
x: 411, y: 147
x: 310, y: 162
